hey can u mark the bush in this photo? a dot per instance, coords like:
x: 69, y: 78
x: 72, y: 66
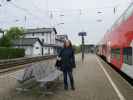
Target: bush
x: 8, y: 53
x: 5, y: 42
x: 77, y: 49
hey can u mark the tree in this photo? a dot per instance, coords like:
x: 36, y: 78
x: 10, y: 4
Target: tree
x: 15, y: 33
x: 5, y: 42
x: 12, y: 34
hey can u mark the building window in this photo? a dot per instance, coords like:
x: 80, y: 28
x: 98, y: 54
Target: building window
x: 117, y: 52
x: 42, y: 34
x: 42, y: 40
x: 50, y: 39
x: 33, y: 34
x: 112, y: 53
x: 46, y: 38
x: 127, y: 52
x: 37, y: 47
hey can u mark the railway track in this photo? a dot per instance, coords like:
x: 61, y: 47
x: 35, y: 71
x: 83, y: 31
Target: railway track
x: 13, y: 64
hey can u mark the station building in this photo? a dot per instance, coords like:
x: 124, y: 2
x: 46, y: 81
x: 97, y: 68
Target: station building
x: 40, y: 42
x: 89, y: 48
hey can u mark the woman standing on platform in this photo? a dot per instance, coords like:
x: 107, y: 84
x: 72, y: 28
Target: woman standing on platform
x: 67, y: 60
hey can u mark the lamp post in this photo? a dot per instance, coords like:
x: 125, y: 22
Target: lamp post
x: 82, y: 34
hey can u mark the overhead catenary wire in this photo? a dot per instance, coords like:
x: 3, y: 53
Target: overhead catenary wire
x: 51, y: 12
x: 26, y: 11
x: 63, y: 10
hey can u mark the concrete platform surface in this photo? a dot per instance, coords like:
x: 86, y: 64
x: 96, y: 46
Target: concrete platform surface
x: 94, y: 80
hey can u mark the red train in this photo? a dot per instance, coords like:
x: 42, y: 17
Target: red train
x: 117, y: 44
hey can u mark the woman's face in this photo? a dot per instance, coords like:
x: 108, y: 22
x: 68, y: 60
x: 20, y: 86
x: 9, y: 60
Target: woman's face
x: 67, y: 43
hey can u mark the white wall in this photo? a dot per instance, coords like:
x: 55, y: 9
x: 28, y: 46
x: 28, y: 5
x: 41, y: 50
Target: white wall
x: 52, y: 50
x: 46, y: 37
x: 45, y: 50
x: 28, y: 50
x: 53, y: 35
x: 37, y: 49
x: 59, y: 43
x: 48, y: 50
x: 36, y: 35
x: 49, y: 38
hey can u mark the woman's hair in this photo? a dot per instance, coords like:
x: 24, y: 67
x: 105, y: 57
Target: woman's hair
x: 70, y: 44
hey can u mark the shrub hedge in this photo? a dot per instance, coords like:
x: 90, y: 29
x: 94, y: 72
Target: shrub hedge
x: 8, y: 53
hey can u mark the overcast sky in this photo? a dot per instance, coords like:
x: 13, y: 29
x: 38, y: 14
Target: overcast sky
x: 77, y: 15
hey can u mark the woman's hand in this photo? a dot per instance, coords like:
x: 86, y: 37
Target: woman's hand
x: 59, y: 58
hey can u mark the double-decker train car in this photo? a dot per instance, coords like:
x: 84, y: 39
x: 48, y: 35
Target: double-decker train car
x: 117, y: 44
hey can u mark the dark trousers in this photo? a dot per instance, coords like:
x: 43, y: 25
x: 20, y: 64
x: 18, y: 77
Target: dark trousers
x: 66, y: 75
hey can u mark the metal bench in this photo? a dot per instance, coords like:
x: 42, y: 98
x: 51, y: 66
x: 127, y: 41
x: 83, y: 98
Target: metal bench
x: 45, y: 74
x: 51, y: 77
x: 41, y: 73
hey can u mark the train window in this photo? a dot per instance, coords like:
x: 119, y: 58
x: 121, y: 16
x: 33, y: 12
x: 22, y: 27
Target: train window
x: 112, y: 53
x: 117, y: 52
x: 129, y: 12
x: 128, y: 56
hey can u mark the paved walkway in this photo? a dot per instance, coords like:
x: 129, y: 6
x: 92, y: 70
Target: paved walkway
x: 90, y: 81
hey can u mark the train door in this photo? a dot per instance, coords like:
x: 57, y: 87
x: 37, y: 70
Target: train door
x: 132, y: 50
x: 132, y: 55
x: 127, y: 59
x: 131, y: 45
x: 108, y: 52
x: 127, y: 66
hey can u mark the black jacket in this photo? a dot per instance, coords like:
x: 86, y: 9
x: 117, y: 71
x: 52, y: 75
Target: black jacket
x: 67, y: 59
